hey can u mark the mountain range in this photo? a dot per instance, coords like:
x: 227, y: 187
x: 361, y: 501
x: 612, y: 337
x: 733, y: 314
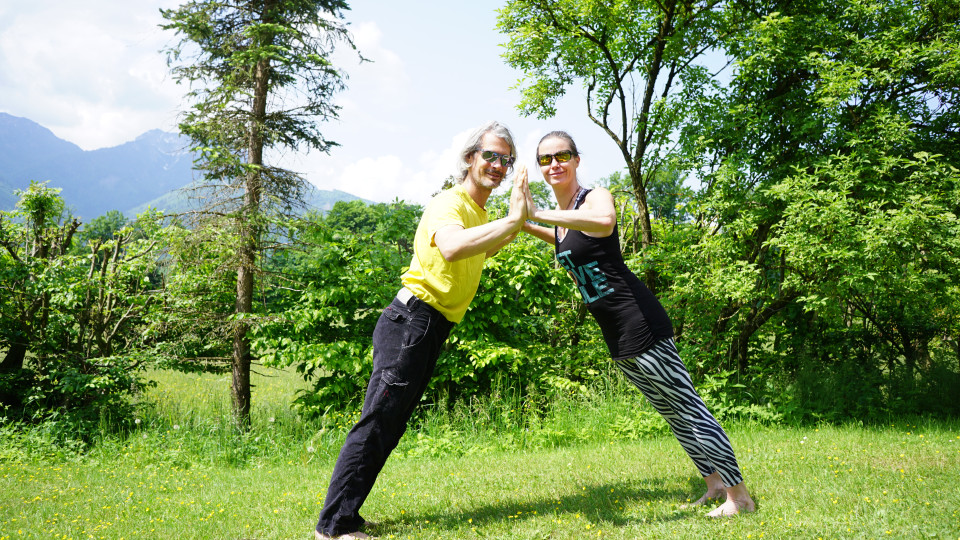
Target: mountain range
x: 148, y: 171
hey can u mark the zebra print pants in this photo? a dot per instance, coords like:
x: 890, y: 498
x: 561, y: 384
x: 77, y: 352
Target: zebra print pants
x: 660, y: 374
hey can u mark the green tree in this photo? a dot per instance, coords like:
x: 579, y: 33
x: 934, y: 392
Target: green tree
x: 667, y: 195
x: 636, y: 61
x: 260, y: 78
x: 102, y: 228
x: 81, y: 316
x: 355, y: 216
x: 512, y: 336
x: 33, y: 237
x: 526, y: 329
x: 829, y: 174
x: 349, y: 269
x: 346, y: 269
x: 192, y: 326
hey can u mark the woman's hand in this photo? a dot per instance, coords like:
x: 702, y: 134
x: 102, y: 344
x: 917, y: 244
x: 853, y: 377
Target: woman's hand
x: 518, y: 203
x: 528, y: 198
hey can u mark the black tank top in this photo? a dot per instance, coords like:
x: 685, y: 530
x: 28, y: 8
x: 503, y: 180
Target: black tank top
x: 629, y: 315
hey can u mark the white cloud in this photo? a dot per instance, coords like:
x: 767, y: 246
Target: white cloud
x: 372, y: 177
x: 390, y: 71
x: 386, y: 177
x: 375, y: 86
x: 383, y: 178
x: 92, y: 74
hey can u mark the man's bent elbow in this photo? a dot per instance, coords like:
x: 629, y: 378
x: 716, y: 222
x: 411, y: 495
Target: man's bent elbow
x: 449, y: 255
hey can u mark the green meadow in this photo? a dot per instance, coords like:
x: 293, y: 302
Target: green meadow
x: 489, y: 469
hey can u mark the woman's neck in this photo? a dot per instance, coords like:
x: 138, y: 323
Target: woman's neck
x: 566, y: 196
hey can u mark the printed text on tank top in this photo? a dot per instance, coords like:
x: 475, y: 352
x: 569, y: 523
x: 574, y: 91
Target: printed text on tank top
x: 591, y: 281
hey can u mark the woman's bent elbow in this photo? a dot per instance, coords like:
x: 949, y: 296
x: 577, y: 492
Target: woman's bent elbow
x: 606, y: 224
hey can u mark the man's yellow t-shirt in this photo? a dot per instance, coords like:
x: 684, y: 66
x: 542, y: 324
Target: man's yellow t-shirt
x: 447, y: 286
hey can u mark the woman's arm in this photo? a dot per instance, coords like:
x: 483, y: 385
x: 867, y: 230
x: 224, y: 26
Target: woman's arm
x: 539, y: 231
x: 596, y: 216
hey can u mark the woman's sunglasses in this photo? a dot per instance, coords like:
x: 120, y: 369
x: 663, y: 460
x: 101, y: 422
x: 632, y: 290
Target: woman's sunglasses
x: 490, y: 156
x: 562, y: 157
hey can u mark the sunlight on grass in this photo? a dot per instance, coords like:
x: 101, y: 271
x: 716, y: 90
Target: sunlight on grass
x: 486, y: 469
x: 183, y: 395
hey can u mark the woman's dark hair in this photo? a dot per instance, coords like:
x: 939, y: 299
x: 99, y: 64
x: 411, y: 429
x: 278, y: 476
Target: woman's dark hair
x: 558, y: 135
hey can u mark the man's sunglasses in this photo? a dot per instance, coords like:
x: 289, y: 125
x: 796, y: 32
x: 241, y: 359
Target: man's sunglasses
x: 490, y: 156
x: 562, y: 157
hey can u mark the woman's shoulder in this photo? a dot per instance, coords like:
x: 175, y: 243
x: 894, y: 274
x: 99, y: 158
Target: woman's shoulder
x: 598, y: 194
x: 599, y: 198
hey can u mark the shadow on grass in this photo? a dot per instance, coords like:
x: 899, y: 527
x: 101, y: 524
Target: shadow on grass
x: 598, y: 503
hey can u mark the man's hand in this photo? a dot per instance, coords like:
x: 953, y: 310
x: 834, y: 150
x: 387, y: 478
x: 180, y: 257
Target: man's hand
x: 528, y: 197
x: 518, y: 197
x: 457, y: 243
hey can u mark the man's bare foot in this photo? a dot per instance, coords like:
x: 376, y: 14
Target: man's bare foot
x: 349, y: 536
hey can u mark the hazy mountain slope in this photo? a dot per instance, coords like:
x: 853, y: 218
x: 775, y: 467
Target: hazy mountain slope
x: 149, y: 171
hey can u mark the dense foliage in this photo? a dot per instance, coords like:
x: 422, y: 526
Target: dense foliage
x: 639, y: 63
x: 79, y: 313
x: 826, y: 228
x: 803, y: 235
x: 350, y: 269
x: 346, y: 270
x: 815, y: 266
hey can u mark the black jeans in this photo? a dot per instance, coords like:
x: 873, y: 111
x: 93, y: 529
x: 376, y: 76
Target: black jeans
x: 406, y: 344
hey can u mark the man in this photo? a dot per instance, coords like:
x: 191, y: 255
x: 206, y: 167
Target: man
x: 451, y: 243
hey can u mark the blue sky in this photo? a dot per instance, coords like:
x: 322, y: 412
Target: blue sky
x: 92, y: 73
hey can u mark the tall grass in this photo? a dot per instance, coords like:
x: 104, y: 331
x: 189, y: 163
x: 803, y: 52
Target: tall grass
x: 600, y: 464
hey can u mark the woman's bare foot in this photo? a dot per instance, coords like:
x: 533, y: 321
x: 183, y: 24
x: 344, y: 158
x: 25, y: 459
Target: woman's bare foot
x: 708, y: 498
x: 715, y: 491
x: 732, y: 508
x: 738, y: 500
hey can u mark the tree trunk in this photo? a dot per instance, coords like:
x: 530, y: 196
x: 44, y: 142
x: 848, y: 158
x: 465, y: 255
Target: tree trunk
x: 646, y: 231
x: 250, y: 226
x: 643, y: 212
x: 13, y: 361
x: 740, y: 348
x: 240, y: 388
x: 956, y: 346
x: 244, y: 302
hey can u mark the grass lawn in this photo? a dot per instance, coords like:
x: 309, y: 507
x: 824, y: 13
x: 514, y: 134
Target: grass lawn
x: 167, y: 481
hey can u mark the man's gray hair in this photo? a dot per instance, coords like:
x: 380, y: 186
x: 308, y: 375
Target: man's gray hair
x: 473, y: 144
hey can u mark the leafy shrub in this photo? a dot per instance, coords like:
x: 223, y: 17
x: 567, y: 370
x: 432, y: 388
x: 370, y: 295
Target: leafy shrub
x: 78, y: 313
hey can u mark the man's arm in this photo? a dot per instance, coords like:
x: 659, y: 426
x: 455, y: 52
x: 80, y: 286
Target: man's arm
x: 456, y: 242
x: 504, y: 242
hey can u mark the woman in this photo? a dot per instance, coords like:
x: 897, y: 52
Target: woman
x: 635, y: 326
